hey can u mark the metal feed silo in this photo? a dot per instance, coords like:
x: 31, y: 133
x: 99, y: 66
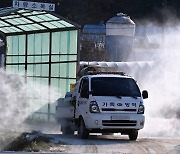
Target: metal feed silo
x: 119, y: 37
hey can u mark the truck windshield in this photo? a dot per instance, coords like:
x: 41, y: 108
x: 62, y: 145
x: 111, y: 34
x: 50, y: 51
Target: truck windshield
x: 114, y: 86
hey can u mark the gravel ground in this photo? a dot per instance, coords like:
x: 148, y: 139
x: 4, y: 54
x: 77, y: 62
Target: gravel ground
x: 42, y: 142
x: 6, y: 137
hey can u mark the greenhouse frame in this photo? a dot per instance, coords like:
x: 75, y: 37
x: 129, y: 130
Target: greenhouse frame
x: 41, y: 46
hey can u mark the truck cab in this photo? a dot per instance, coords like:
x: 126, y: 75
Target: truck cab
x: 108, y: 103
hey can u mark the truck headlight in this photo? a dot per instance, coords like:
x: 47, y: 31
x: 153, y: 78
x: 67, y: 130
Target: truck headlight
x: 141, y: 109
x: 94, y: 108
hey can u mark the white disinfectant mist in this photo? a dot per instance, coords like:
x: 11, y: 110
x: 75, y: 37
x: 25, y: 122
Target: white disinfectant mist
x: 19, y: 100
x: 162, y: 82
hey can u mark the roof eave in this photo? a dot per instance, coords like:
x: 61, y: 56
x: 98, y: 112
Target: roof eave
x: 71, y: 22
x: 8, y: 12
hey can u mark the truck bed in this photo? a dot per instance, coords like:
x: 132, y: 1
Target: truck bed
x: 64, y: 108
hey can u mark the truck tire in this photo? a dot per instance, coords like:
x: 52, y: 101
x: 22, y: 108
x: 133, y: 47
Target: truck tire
x: 82, y: 130
x: 66, y: 127
x: 133, y: 134
x: 67, y: 130
x: 107, y: 133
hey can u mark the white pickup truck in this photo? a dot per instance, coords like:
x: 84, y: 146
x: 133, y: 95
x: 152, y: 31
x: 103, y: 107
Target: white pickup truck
x: 103, y: 103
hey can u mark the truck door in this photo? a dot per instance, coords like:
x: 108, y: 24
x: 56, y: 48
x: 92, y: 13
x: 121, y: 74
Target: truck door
x: 83, y: 96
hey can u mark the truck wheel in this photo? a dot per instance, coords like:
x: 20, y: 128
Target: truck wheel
x: 66, y: 127
x: 133, y: 134
x: 82, y: 131
x: 107, y: 133
x: 67, y: 130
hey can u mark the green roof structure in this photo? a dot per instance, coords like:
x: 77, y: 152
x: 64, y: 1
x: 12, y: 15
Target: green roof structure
x: 19, y: 21
x: 42, y: 47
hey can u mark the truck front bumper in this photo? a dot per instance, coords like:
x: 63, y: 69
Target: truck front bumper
x: 114, y: 121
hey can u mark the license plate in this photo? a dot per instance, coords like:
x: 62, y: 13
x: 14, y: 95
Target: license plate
x: 120, y: 118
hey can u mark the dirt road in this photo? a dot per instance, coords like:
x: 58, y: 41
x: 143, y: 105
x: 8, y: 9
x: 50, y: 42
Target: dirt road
x: 6, y: 137
x: 102, y: 144
x: 119, y: 144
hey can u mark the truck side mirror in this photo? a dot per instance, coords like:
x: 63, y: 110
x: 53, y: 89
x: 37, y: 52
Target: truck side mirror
x: 85, y: 90
x: 145, y: 94
x: 85, y: 94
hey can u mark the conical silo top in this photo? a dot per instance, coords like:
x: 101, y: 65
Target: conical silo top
x: 121, y: 18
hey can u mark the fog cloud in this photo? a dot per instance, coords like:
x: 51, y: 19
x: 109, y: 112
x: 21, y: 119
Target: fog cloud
x: 162, y: 82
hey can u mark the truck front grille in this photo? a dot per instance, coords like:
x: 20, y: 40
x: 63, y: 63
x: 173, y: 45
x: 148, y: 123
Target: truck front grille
x: 119, y: 122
